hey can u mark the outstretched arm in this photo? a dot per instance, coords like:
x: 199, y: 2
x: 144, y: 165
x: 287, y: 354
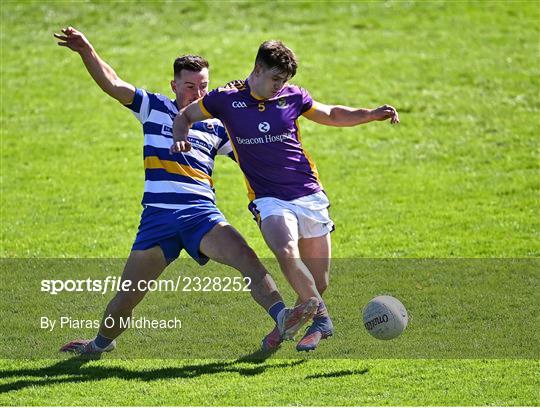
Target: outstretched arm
x: 182, y: 122
x: 102, y: 73
x: 336, y: 115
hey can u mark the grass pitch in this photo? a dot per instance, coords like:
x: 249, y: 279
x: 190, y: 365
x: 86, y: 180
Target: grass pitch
x: 458, y: 178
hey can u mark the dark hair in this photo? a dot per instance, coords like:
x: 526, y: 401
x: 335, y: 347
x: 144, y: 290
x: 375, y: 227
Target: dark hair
x: 190, y: 63
x: 275, y: 54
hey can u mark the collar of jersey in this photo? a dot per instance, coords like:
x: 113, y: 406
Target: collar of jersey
x: 252, y: 94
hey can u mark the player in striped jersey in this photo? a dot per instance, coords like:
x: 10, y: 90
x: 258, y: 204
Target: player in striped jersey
x: 179, y: 201
x: 287, y: 198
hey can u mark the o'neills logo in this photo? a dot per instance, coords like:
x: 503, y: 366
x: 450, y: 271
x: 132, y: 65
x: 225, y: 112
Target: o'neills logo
x: 265, y: 139
x: 375, y: 322
x: 282, y: 103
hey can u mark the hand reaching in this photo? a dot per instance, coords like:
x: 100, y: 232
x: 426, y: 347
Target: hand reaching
x: 384, y: 112
x: 73, y: 39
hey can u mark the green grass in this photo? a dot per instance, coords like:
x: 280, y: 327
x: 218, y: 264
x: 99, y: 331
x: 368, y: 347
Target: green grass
x: 279, y: 382
x: 458, y: 178
x: 451, y: 303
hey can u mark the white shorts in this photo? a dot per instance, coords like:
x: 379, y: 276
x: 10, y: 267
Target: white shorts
x: 308, y: 215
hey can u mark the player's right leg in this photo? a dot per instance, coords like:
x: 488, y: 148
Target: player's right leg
x: 225, y: 245
x: 155, y: 246
x: 281, y: 235
x: 141, y: 266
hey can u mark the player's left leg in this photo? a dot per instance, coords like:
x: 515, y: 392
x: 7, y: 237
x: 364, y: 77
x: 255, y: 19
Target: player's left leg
x: 225, y: 245
x: 316, y: 254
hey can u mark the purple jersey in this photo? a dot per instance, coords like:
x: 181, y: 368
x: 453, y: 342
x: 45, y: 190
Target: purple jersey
x: 266, y: 140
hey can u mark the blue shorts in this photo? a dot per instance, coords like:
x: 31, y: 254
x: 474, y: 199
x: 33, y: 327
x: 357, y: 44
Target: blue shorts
x: 174, y: 230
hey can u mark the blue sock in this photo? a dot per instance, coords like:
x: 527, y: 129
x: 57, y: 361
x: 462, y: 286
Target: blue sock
x: 102, y: 341
x: 275, y: 309
x: 322, y: 313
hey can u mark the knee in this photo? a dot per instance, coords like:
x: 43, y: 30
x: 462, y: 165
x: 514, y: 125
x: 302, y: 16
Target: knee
x: 286, y: 252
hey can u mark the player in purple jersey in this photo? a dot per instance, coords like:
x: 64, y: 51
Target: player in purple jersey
x: 180, y: 212
x: 261, y: 117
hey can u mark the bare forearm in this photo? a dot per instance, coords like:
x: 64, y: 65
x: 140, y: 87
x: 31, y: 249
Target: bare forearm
x: 105, y: 76
x: 346, y: 116
x: 181, y: 125
x: 100, y: 71
x: 341, y: 116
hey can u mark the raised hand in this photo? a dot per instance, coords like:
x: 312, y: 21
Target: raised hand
x: 73, y: 39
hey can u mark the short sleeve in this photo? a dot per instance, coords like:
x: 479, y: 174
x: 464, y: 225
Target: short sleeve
x: 307, y: 100
x: 140, y: 105
x: 211, y: 103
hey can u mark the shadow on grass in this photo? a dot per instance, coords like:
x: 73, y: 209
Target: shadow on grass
x: 342, y: 373
x: 73, y: 370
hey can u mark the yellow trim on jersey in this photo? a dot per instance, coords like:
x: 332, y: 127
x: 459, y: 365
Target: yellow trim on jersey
x: 251, y: 193
x: 256, y: 96
x: 258, y: 219
x: 203, y: 110
x: 310, y: 109
x: 308, y: 157
x: 153, y: 162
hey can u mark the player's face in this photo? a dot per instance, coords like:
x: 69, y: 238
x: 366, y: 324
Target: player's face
x: 269, y: 81
x: 190, y: 86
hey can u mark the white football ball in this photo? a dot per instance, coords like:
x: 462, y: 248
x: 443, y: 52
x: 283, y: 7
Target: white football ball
x: 385, y: 317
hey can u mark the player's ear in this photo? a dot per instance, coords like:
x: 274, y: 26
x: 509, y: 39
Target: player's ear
x: 173, y: 85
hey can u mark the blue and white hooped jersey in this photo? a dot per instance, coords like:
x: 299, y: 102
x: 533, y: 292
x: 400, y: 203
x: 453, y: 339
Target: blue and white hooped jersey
x: 181, y: 180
